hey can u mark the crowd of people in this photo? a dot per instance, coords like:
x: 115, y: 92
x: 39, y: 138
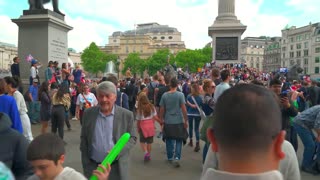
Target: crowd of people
x: 249, y: 121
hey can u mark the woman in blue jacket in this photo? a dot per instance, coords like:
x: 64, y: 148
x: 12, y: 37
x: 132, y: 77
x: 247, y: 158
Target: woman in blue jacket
x: 194, y: 101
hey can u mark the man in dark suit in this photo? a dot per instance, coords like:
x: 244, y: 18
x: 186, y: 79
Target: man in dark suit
x: 102, y: 126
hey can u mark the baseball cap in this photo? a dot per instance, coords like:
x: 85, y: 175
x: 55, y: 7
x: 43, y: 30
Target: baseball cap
x: 35, y: 80
x: 34, y: 61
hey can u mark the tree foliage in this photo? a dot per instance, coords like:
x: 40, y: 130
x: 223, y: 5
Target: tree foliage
x: 158, y: 61
x: 94, y: 60
x: 194, y: 59
x: 135, y: 63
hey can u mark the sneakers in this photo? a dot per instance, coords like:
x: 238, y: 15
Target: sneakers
x: 197, y: 148
x: 74, y: 119
x: 176, y: 163
x: 147, y: 157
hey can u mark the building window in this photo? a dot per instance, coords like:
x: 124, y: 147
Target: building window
x: 251, y: 58
x: 162, y: 37
x: 284, y: 55
x: 306, y: 61
x: 298, y: 46
x: 154, y: 38
x: 306, y: 53
x: 170, y: 37
x: 317, y: 59
x: 307, y: 36
x: 318, y: 39
x: 291, y: 54
x: 291, y: 47
x: 114, y: 40
x: 127, y: 49
x: 298, y: 38
x: 306, y: 70
x: 318, y: 50
x: 316, y: 70
x: 306, y: 45
x: 291, y: 39
x: 298, y: 53
x: 283, y: 48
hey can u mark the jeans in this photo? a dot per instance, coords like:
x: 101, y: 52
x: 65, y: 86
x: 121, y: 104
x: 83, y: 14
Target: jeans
x: 308, y: 139
x: 197, y: 120
x: 173, y: 147
x: 34, y: 111
x: 294, y: 138
x: 205, y: 151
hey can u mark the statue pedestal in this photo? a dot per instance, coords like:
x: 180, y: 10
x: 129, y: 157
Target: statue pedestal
x: 226, y: 34
x: 43, y: 34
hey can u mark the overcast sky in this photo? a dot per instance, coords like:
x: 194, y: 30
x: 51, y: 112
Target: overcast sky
x: 95, y: 20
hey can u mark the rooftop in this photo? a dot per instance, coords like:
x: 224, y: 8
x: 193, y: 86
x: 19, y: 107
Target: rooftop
x: 147, y: 28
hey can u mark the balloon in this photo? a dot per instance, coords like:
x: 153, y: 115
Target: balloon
x: 113, y: 153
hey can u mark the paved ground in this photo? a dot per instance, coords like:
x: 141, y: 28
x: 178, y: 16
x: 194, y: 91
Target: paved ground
x: 157, y: 168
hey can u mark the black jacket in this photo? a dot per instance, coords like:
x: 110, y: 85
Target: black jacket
x: 13, y: 149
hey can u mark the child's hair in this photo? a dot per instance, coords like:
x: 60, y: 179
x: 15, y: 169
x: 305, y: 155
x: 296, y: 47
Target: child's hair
x: 145, y: 108
x: 46, y: 146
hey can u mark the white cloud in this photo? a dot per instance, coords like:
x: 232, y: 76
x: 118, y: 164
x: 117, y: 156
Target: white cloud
x: 8, y: 30
x: 96, y: 21
x: 86, y: 31
x: 259, y: 24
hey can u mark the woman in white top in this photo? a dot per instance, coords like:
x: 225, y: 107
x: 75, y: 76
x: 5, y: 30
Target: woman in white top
x: 34, y: 71
x: 85, y: 100
x: 12, y: 85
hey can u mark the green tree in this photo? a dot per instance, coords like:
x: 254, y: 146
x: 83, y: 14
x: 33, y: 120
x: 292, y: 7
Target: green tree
x: 158, y: 61
x: 135, y: 63
x: 93, y: 60
x: 194, y: 59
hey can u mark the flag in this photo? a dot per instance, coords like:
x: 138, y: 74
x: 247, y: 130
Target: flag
x: 29, y: 58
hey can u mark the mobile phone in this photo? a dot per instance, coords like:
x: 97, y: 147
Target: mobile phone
x: 284, y: 94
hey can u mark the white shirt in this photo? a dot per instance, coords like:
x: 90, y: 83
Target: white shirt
x: 222, y: 175
x: 91, y: 98
x: 33, y: 72
x: 21, y: 104
x: 289, y: 166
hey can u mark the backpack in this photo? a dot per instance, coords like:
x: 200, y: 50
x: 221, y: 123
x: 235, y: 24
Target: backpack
x: 26, y: 96
x: 151, y: 89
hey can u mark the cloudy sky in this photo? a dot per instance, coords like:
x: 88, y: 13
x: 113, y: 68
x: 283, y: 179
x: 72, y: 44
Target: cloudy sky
x: 95, y: 20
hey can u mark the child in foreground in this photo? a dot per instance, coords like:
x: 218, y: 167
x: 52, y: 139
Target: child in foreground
x: 46, y: 153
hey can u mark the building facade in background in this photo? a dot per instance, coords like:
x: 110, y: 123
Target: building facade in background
x: 272, y: 55
x: 252, y: 51
x: 301, y: 46
x: 146, y: 39
x: 7, y: 53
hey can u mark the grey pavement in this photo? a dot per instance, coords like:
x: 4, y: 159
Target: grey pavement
x: 158, y: 168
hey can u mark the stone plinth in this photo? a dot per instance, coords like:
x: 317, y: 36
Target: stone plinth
x: 44, y: 35
x: 226, y: 34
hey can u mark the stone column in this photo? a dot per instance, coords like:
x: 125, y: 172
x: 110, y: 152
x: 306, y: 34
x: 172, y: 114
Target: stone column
x: 226, y: 9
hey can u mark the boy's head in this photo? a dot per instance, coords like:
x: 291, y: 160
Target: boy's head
x: 46, y: 155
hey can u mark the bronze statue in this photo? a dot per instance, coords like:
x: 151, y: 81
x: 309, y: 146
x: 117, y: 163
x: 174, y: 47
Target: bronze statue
x: 38, y: 4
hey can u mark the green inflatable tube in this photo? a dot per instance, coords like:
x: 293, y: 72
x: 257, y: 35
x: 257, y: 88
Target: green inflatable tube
x: 113, y: 153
